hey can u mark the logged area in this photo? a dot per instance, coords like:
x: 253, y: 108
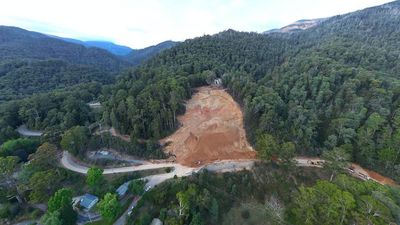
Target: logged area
x: 211, y: 130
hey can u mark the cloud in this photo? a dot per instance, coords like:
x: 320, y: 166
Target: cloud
x: 142, y: 23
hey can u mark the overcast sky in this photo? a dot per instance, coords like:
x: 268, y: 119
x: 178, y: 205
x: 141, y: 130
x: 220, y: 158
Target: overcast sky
x: 142, y: 23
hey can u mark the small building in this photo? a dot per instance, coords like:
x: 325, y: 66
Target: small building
x: 88, y: 201
x: 121, y: 191
x: 94, y: 105
x: 217, y: 82
x: 156, y: 221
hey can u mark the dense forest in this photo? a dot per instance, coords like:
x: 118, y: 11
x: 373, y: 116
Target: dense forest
x: 53, y: 112
x: 334, y: 85
x: 20, y: 79
x: 32, y: 63
x: 331, y: 91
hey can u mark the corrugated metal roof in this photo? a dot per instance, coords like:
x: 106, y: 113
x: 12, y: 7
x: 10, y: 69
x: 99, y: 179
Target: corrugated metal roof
x: 123, y: 189
x: 88, y: 201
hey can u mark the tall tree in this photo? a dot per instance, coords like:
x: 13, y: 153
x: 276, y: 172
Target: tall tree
x: 44, y: 157
x: 336, y: 161
x: 75, y: 140
x: 267, y: 146
x: 95, y: 178
x: 61, y: 202
x: 109, y: 206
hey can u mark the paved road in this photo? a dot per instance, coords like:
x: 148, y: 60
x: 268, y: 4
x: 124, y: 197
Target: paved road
x: 180, y: 171
x: 24, y: 131
x: 68, y: 162
x: 122, y: 220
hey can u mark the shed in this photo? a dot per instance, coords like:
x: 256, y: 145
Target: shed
x: 121, y: 191
x: 88, y: 201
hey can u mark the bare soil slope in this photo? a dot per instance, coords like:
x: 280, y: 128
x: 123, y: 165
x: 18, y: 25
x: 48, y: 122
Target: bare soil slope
x: 211, y: 130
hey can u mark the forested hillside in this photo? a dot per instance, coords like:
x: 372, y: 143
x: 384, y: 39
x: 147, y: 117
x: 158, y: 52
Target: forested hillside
x: 19, y: 79
x: 334, y: 85
x: 53, y: 112
x: 16, y: 43
x: 34, y: 63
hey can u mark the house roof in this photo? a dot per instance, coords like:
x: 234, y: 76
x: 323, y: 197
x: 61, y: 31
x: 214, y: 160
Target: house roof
x: 123, y: 188
x: 88, y: 201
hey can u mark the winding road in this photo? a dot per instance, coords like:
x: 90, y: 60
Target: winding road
x: 24, y: 131
x: 68, y: 162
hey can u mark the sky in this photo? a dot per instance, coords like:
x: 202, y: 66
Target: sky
x: 141, y: 23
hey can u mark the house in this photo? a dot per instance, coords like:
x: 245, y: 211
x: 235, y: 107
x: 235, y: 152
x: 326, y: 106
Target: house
x: 94, y: 105
x: 156, y: 221
x: 217, y: 82
x: 88, y: 201
x: 121, y: 191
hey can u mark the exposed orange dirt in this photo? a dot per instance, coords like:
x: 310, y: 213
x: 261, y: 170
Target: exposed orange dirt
x: 211, y: 130
x: 381, y: 179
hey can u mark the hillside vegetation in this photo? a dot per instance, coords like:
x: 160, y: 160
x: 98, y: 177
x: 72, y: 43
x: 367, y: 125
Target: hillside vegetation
x: 334, y: 85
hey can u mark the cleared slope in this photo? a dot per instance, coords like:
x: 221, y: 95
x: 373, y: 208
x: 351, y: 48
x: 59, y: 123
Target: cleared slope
x: 212, y: 130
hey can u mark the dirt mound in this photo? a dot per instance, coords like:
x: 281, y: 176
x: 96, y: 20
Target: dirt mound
x: 212, y: 130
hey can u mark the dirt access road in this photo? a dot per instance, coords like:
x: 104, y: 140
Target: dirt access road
x: 354, y: 170
x: 211, y: 130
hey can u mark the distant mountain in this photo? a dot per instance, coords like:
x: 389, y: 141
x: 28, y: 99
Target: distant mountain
x: 17, y: 43
x: 298, y: 25
x: 111, y: 47
x: 138, y: 56
x: 32, y: 62
x: 115, y: 49
x: 133, y: 56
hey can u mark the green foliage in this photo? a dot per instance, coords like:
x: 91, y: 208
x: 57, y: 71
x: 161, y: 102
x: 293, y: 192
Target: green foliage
x: 345, y: 201
x: 214, y: 210
x: 8, y: 165
x: 319, y: 88
x: 109, y: 206
x: 95, y: 179
x: 25, y: 78
x: 137, y: 187
x: 75, y: 140
x: 324, y: 203
x: 336, y: 160
x: 148, y: 108
x: 51, y: 218
x: 210, y: 196
x: 20, y: 147
x: 196, y: 220
x: 144, y: 149
x: 43, y: 184
x: 267, y: 146
x: 52, y: 112
x: 44, y: 157
x: 61, y: 198
x: 61, y: 202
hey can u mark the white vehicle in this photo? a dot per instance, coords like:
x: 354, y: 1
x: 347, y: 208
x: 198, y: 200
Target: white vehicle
x: 147, y: 188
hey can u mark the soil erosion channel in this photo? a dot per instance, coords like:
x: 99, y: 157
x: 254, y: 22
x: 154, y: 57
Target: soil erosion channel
x: 211, y: 130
